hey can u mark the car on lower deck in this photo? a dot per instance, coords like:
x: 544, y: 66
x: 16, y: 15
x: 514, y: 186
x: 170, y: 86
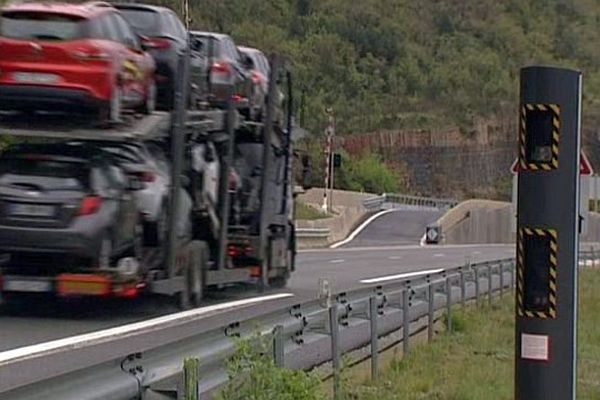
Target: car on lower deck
x: 68, y: 57
x: 65, y: 208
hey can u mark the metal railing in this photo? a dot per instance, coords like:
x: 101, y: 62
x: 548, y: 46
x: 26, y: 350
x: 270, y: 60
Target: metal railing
x: 131, y: 363
x: 395, y: 200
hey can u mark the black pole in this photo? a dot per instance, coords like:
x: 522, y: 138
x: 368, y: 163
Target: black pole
x: 178, y: 117
x: 266, y: 170
x: 547, y: 234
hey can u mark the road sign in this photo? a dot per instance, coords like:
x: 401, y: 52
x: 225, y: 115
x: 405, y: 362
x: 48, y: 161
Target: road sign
x: 549, y: 170
x: 585, y: 167
x: 432, y: 234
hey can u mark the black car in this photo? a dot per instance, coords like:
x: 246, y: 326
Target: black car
x: 163, y: 36
x: 65, y: 208
x: 222, y: 65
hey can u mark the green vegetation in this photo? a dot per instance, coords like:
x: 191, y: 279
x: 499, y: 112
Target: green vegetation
x: 386, y: 64
x: 475, y: 362
x: 305, y: 211
x: 254, y: 376
x: 368, y: 174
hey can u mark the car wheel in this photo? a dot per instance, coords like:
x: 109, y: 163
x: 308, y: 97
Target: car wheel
x: 149, y: 105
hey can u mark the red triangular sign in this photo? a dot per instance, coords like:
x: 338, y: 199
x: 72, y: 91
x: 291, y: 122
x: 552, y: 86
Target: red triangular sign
x: 585, y: 168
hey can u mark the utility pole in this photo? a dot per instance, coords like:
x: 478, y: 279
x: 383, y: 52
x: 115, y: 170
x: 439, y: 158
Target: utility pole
x: 548, y: 227
x: 329, y: 134
x: 185, y: 10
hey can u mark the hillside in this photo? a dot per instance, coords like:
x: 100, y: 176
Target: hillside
x: 393, y: 64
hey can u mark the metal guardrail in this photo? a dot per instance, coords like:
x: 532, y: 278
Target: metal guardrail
x: 316, y: 233
x: 131, y: 363
x: 417, y: 202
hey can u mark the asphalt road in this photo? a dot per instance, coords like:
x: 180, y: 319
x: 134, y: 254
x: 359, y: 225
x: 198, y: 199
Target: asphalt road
x: 398, y: 227
x: 35, y: 322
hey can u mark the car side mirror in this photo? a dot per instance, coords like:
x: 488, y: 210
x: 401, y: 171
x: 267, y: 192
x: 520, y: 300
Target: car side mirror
x: 248, y: 62
x: 135, y: 184
x: 196, y: 45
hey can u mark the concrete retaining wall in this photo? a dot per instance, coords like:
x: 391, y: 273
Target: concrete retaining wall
x: 349, y: 212
x: 484, y: 221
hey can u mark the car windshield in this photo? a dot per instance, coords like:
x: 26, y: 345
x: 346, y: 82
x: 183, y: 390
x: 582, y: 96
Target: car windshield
x: 41, y: 26
x: 43, y: 174
x: 145, y: 22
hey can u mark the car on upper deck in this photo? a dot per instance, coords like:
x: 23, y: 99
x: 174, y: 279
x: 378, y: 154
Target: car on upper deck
x: 73, y: 57
x: 164, y: 36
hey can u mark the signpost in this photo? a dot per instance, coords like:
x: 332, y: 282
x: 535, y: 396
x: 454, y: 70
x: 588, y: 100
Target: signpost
x: 547, y: 234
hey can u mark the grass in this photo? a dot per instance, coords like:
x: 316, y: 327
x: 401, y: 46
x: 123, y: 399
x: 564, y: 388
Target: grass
x: 476, y: 361
x: 306, y: 212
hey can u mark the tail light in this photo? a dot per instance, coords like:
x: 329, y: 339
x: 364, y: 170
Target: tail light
x: 90, y: 205
x: 237, y: 98
x: 256, y: 78
x: 145, y: 176
x: 234, y: 251
x: 91, y: 54
x: 157, y: 44
x: 221, y: 71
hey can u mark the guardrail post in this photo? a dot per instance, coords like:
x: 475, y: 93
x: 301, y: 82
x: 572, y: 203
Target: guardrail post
x: 501, y: 279
x: 463, y: 288
x: 335, y: 350
x: 405, y: 322
x: 189, y: 385
x: 512, y: 276
x: 448, y: 304
x: 374, y: 338
x: 490, y: 285
x: 477, y: 290
x: 278, y: 350
x: 431, y: 311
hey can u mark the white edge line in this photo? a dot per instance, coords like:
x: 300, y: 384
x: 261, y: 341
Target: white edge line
x: 361, y: 228
x: 400, y: 276
x: 411, y: 247
x: 138, y: 327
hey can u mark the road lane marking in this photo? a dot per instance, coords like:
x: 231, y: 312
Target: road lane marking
x: 409, y: 247
x: 476, y: 252
x: 138, y: 327
x: 395, y: 257
x: 361, y: 228
x: 439, y: 255
x: 402, y: 276
x: 337, y: 261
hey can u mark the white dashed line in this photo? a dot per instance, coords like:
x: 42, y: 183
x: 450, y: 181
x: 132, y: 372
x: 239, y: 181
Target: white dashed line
x: 395, y: 257
x: 401, y: 276
x: 439, y: 255
x: 337, y: 261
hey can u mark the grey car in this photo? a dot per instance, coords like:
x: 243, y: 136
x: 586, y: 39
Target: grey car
x: 64, y: 208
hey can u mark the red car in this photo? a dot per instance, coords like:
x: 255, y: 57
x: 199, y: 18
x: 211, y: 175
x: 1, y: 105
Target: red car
x: 59, y: 56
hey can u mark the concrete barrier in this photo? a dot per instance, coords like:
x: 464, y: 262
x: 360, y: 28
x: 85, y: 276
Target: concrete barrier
x: 349, y: 211
x: 486, y: 221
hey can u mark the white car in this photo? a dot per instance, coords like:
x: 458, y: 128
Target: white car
x: 149, y: 165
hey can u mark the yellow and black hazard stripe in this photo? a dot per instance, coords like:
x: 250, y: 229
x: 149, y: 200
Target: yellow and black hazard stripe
x: 552, y: 262
x: 524, y: 164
